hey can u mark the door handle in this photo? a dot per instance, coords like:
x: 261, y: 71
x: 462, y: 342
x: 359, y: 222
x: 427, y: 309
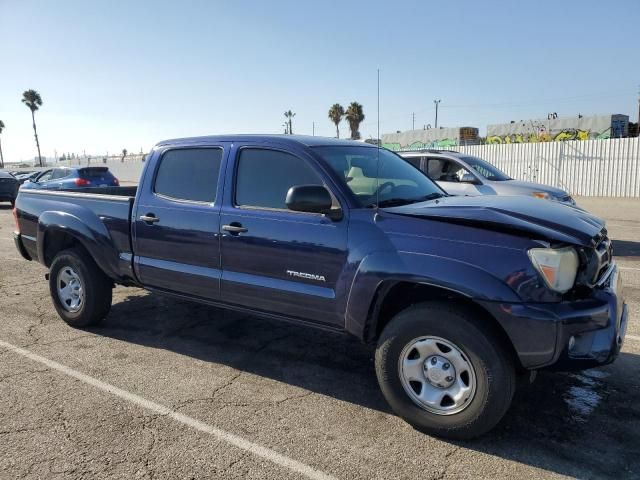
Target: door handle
x: 149, y: 218
x: 234, y: 227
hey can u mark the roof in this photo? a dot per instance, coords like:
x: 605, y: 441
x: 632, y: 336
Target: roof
x: 418, y: 153
x: 6, y: 175
x: 305, y: 140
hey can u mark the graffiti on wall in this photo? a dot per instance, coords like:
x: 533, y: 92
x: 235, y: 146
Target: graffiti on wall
x: 544, y: 136
x: 436, y: 144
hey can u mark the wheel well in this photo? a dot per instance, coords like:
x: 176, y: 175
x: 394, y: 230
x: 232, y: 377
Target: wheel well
x: 392, y: 299
x: 56, y: 241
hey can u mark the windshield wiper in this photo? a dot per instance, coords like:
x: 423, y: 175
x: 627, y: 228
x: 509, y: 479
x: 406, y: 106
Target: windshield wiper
x: 397, y: 202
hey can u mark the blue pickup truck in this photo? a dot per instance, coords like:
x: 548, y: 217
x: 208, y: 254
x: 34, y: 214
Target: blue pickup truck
x: 462, y: 296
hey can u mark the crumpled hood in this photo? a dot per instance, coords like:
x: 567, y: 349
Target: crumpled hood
x: 536, y: 187
x: 541, y: 219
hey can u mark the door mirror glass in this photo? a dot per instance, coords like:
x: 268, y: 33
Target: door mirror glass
x: 468, y: 178
x: 309, y: 198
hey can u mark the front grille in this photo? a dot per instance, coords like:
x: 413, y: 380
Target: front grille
x: 599, y: 259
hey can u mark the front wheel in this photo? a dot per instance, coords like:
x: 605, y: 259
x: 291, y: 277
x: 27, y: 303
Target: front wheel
x: 80, y: 291
x: 444, y: 371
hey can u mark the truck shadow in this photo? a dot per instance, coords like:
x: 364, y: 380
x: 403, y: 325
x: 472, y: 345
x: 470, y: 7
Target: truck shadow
x: 585, y: 425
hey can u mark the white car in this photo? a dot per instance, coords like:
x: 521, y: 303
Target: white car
x: 460, y: 174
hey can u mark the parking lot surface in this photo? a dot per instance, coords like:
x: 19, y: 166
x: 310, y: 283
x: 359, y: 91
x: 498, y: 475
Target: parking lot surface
x: 168, y: 389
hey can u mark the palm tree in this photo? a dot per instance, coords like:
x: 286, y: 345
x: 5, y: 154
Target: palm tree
x: 289, y: 115
x: 354, y: 116
x: 336, y: 112
x: 124, y: 154
x: 1, y: 157
x: 33, y: 100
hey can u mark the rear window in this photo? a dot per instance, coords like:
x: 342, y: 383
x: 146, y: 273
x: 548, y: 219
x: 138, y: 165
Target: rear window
x: 189, y: 174
x: 91, y: 173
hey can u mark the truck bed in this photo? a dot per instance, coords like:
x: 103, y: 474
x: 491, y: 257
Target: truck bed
x: 102, y: 213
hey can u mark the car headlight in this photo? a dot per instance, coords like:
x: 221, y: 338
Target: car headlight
x: 543, y: 195
x: 558, y: 266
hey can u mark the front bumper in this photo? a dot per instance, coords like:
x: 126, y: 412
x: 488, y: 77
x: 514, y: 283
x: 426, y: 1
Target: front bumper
x: 571, y: 335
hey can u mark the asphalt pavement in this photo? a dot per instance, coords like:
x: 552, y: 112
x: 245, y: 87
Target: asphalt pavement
x: 169, y: 389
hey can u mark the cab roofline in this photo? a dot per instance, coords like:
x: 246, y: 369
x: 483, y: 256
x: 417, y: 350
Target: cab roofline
x: 304, y: 140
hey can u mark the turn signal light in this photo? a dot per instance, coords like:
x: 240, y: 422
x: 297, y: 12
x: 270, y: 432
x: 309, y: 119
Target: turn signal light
x: 81, y: 182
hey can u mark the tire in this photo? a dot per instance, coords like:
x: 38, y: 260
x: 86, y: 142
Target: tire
x: 427, y: 330
x: 89, y: 304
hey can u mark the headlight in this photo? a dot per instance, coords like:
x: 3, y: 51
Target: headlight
x: 558, y: 267
x: 543, y: 195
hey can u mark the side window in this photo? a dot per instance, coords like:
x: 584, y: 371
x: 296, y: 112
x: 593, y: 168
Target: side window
x: 263, y: 177
x: 415, y: 161
x: 58, y: 173
x: 45, y: 177
x: 189, y: 174
x: 443, y: 170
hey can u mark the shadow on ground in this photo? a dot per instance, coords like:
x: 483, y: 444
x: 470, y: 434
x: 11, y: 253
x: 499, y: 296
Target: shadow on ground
x: 585, y: 425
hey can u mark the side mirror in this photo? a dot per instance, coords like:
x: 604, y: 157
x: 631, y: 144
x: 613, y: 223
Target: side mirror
x: 310, y: 199
x: 468, y: 178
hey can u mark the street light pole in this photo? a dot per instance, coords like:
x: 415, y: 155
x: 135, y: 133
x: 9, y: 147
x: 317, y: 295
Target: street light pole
x: 436, y: 102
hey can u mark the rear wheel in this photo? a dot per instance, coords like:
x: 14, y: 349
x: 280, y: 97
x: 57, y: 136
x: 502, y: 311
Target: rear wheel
x: 80, y: 291
x: 444, y: 371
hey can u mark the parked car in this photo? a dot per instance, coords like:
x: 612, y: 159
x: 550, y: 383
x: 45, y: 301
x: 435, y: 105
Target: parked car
x: 461, y: 295
x: 69, y: 178
x: 461, y: 174
x: 8, y: 187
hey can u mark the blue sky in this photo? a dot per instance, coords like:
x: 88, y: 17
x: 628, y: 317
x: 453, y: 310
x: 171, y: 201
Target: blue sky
x: 126, y: 74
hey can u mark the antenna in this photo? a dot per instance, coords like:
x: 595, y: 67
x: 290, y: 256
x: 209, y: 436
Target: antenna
x: 378, y: 150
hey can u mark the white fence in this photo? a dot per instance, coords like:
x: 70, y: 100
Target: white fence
x: 127, y: 171
x: 596, y: 168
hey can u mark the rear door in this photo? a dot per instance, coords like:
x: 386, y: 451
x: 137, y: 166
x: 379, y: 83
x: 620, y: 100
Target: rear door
x: 177, y: 222
x: 274, y: 259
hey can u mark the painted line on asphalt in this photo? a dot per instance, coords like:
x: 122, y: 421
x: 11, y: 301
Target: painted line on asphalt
x: 635, y: 269
x: 230, y: 438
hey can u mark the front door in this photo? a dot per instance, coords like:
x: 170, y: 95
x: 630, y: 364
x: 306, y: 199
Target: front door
x: 177, y: 223
x: 274, y: 259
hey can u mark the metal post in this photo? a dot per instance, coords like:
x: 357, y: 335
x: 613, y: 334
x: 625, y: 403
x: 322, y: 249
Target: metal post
x: 313, y: 129
x: 436, y: 102
x: 413, y: 121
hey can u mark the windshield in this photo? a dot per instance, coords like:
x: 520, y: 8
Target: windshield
x: 394, y: 182
x: 485, y: 169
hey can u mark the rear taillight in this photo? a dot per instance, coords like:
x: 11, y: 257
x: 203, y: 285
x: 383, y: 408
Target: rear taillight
x: 15, y: 218
x: 81, y: 182
x: 116, y: 182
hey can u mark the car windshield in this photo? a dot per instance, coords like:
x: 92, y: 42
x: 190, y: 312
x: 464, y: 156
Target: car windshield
x: 392, y: 182
x: 485, y: 169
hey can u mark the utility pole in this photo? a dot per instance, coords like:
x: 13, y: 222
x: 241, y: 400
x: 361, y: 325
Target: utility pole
x: 413, y: 121
x: 638, y: 124
x: 436, y: 102
x: 313, y: 129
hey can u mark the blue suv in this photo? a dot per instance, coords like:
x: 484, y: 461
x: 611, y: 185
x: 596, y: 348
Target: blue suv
x: 65, y: 178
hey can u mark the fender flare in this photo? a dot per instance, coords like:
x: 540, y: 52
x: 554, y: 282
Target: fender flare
x: 90, y: 232
x: 378, y: 271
